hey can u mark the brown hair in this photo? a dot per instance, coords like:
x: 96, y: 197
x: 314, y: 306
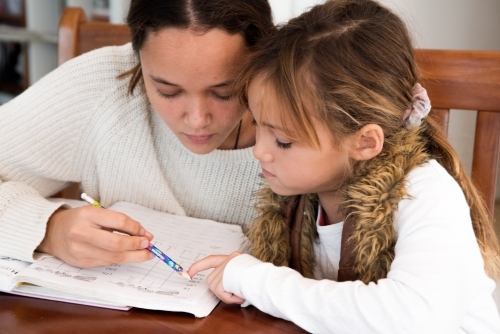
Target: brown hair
x: 251, y: 18
x: 350, y: 63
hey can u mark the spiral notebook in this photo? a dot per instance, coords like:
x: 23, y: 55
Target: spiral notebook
x: 149, y: 285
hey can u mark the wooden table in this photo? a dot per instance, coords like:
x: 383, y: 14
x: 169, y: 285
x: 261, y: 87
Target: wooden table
x: 30, y: 315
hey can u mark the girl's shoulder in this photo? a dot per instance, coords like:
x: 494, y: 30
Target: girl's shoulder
x: 431, y: 177
x: 433, y: 196
x: 109, y: 61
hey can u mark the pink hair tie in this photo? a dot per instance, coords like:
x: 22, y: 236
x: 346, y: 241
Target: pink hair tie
x: 421, y: 105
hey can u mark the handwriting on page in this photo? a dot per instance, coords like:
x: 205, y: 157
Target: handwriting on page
x: 184, y: 239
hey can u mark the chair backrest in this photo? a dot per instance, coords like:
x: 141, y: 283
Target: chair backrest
x: 76, y: 35
x: 468, y: 80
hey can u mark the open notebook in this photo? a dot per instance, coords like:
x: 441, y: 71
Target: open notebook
x: 149, y: 285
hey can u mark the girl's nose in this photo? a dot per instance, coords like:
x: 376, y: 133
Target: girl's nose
x: 260, y: 151
x: 198, y: 114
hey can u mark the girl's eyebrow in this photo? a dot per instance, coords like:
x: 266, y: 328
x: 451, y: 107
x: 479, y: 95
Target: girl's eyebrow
x: 165, y: 82
x: 271, y: 126
x: 265, y: 123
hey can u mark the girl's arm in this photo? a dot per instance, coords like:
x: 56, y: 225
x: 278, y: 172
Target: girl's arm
x: 42, y: 149
x: 436, y: 284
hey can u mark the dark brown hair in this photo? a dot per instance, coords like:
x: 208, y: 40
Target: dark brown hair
x: 250, y: 18
x: 349, y: 63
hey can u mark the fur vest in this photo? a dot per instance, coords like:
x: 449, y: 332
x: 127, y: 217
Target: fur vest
x: 285, y: 231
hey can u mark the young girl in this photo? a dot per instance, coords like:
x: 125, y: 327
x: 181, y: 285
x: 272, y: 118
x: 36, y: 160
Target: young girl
x: 367, y: 200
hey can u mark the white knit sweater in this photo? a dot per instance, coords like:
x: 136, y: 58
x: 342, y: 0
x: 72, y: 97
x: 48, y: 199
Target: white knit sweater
x: 77, y: 124
x: 436, y: 284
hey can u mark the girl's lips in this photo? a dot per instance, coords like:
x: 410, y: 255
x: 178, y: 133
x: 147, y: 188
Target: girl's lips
x: 199, y: 139
x: 266, y: 173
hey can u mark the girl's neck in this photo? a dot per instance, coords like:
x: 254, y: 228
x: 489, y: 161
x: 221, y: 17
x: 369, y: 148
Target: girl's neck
x: 330, y: 203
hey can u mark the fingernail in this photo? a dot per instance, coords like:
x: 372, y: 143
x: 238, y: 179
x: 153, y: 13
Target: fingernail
x: 144, y: 243
x: 149, y: 235
x: 151, y: 256
x: 142, y: 232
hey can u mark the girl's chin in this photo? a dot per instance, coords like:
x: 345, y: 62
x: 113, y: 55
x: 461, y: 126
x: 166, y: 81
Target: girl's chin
x: 280, y: 191
x: 200, y: 148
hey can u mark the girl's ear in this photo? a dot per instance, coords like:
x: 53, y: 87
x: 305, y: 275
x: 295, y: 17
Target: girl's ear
x: 367, y: 142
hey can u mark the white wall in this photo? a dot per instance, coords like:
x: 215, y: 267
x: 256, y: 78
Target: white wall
x: 118, y: 10
x: 438, y: 24
x: 452, y: 24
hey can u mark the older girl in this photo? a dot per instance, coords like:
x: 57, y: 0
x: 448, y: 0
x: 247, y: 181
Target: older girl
x: 153, y: 122
x: 369, y: 222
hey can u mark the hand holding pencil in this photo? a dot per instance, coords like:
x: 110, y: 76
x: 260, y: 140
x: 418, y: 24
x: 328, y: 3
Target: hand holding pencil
x: 81, y: 237
x: 158, y: 253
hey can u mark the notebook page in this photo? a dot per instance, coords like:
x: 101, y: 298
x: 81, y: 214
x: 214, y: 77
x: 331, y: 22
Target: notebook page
x: 9, y: 268
x: 151, y: 284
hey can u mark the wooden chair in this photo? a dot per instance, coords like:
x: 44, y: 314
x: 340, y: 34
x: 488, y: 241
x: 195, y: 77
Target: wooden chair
x: 468, y: 80
x: 454, y: 80
x: 76, y: 36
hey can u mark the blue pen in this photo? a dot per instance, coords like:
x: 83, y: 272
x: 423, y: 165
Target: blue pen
x: 152, y: 248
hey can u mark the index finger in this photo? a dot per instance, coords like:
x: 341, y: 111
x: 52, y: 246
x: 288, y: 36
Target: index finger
x: 117, y: 221
x: 208, y: 262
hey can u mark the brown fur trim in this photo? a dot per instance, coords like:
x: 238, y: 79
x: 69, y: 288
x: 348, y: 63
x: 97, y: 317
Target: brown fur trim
x: 372, y: 196
x: 269, y: 235
x: 308, y: 235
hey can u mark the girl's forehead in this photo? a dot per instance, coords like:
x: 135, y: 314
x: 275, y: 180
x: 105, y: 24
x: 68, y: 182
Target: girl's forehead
x: 188, y: 58
x: 263, y: 100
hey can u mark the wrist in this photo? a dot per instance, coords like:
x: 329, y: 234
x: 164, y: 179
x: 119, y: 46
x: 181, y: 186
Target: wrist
x: 45, y: 244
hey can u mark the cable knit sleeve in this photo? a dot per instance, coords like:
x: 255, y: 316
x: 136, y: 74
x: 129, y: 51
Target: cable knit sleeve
x: 41, y: 147
x: 436, y: 284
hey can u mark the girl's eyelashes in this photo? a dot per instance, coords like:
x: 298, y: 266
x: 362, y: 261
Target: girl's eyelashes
x: 166, y: 96
x: 281, y: 145
x: 171, y: 96
x: 278, y: 143
x: 223, y: 97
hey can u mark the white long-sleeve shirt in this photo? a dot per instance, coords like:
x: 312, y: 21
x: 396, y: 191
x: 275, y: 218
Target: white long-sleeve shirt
x: 78, y: 124
x: 436, y: 284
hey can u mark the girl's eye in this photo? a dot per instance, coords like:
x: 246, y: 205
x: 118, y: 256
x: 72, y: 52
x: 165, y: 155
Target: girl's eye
x: 167, y: 96
x: 283, y: 146
x: 223, y: 97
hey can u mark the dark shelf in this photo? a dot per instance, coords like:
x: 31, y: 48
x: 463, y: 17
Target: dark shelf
x: 12, y: 89
x: 16, y: 21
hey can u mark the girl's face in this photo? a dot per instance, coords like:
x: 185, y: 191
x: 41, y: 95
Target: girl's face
x: 292, y: 168
x: 188, y: 77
